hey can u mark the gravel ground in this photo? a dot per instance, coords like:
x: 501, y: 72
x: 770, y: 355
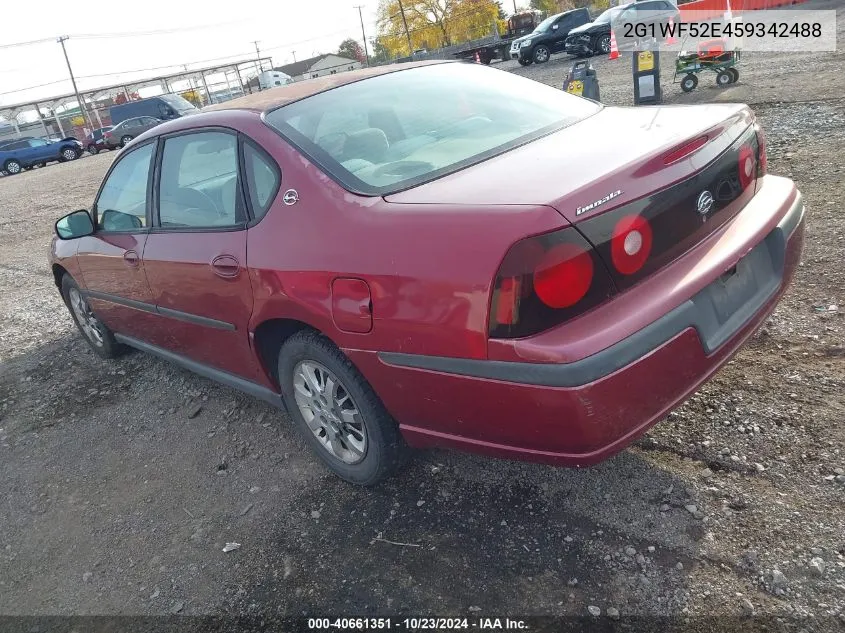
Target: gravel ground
x: 118, y: 501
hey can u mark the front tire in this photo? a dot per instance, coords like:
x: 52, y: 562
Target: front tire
x: 12, y: 167
x: 541, y: 54
x: 689, y: 83
x: 337, y: 411
x: 603, y: 44
x: 524, y: 62
x: 69, y: 153
x: 99, y: 337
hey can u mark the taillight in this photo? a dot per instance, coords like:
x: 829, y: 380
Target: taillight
x: 545, y: 280
x: 563, y: 275
x: 630, y: 244
x: 747, y: 166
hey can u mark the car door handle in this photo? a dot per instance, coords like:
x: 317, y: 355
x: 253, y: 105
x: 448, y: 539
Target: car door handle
x: 131, y: 259
x: 225, y: 266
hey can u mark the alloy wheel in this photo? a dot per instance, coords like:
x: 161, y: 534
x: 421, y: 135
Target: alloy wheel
x: 13, y: 168
x: 88, y: 323
x: 604, y: 44
x: 330, y: 412
x: 68, y: 154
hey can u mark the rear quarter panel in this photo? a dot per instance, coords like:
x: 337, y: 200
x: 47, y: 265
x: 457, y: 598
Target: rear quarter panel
x: 429, y: 266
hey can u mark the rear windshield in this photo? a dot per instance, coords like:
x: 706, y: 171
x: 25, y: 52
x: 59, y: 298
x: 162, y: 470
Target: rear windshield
x: 397, y: 130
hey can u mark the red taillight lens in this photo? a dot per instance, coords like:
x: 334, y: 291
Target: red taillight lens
x: 544, y: 281
x: 630, y: 244
x: 563, y: 276
x: 747, y: 166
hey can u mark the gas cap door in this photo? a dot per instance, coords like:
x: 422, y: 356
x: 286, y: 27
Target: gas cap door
x: 352, y: 306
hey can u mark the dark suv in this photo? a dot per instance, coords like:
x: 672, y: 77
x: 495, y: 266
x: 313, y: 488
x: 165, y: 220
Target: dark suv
x: 549, y: 37
x: 594, y: 38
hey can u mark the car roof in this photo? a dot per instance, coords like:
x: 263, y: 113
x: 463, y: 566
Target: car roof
x: 275, y: 97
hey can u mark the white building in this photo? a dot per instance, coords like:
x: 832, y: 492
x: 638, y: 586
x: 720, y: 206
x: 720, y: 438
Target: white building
x: 329, y: 64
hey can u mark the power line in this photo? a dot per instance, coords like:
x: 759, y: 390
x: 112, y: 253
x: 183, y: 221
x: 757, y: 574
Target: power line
x: 30, y: 43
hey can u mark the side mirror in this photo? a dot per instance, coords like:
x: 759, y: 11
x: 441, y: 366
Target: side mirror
x: 554, y: 27
x: 73, y: 225
x: 118, y: 221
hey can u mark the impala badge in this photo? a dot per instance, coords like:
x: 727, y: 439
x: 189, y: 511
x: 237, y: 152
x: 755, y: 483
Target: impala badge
x: 598, y: 203
x: 705, y: 202
x: 290, y: 197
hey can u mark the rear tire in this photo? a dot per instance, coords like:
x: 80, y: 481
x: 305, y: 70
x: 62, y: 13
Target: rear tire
x: 735, y: 74
x: 689, y: 83
x: 99, y: 337
x: 12, y: 167
x: 724, y: 78
x: 92, y: 149
x: 124, y: 140
x: 350, y: 430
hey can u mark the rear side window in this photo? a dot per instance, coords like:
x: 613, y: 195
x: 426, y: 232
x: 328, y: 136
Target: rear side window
x: 122, y: 205
x: 199, y: 181
x: 262, y: 179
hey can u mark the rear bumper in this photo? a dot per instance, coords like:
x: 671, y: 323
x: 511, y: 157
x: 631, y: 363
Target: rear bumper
x: 580, y: 412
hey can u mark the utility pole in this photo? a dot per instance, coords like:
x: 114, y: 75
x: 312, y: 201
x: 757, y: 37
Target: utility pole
x: 258, y: 55
x: 407, y: 34
x: 260, y: 68
x: 81, y: 103
x: 294, y: 56
x: 363, y: 33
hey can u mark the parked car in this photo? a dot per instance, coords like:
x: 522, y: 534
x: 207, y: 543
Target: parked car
x: 370, y: 251
x: 27, y: 152
x: 120, y: 134
x: 549, y: 37
x: 94, y: 142
x: 163, y: 107
x: 594, y: 38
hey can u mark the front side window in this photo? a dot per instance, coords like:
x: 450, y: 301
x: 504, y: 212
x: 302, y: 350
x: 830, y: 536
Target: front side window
x: 199, y: 181
x: 396, y: 130
x: 122, y: 205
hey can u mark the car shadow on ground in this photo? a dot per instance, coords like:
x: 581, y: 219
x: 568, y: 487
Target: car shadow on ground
x: 450, y: 534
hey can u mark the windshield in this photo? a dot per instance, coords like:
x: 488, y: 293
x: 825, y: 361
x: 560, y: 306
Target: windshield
x: 178, y: 103
x: 397, y: 130
x: 545, y: 24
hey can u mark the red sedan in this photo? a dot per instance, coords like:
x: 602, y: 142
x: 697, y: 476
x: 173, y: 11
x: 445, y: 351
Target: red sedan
x: 439, y: 255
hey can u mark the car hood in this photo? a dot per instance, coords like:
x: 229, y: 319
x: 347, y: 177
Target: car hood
x: 532, y: 35
x: 585, y: 28
x: 617, y: 152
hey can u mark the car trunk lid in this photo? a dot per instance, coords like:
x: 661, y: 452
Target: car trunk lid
x: 622, y: 163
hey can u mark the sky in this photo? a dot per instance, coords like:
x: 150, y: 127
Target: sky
x: 115, y: 37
